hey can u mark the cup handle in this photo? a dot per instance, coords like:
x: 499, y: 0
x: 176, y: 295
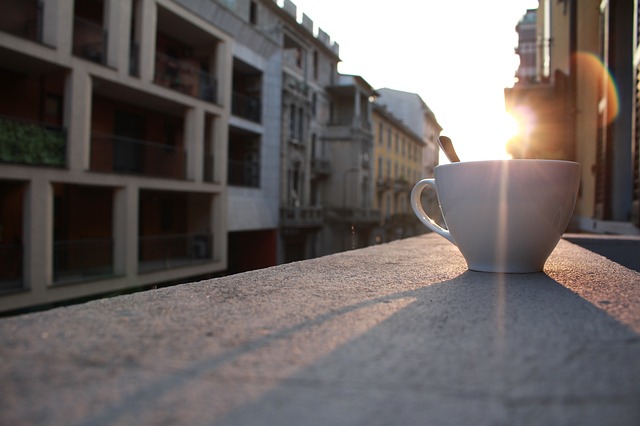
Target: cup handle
x: 416, y: 204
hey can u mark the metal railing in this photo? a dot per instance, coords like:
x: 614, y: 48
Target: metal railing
x: 300, y: 217
x: 246, y: 107
x: 90, y: 40
x: 113, y: 153
x: 168, y: 251
x: 134, y: 59
x: 208, y: 168
x: 244, y: 173
x: 355, y: 215
x: 183, y: 76
x: 81, y: 259
x: 320, y: 166
x: 31, y: 142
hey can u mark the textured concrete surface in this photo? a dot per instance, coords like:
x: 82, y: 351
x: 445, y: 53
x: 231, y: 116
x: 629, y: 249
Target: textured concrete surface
x: 623, y: 249
x: 397, y: 334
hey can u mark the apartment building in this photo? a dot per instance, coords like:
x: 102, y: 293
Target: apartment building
x: 414, y: 112
x: 145, y: 142
x: 350, y: 216
x: 309, y: 66
x: 114, y: 119
x: 583, y: 105
x: 397, y: 167
x: 254, y: 129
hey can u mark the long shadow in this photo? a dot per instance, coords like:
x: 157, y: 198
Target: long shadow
x: 479, y: 349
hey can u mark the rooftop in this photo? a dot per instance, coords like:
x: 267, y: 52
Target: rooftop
x: 399, y: 333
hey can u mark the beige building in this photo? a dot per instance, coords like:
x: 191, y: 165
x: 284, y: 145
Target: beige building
x: 583, y: 106
x: 113, y: 142
x: 397, y: 167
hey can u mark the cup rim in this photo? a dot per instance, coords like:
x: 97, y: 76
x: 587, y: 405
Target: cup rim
x: 512, y: 160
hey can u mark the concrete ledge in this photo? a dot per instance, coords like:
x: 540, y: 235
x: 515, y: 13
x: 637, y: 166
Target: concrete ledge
x: 398, y: 333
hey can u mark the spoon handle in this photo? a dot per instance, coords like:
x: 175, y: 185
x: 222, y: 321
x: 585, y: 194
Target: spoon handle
x: 447, y: 146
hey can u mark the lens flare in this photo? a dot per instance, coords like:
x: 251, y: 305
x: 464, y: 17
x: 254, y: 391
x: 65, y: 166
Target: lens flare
x: 594, y: 74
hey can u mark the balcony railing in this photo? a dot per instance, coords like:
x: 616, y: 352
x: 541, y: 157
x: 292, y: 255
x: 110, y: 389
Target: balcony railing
x: 30, y: 142
x: 112, y: 153
x: 163, y: 252
x: 82, y: 259
x: 134, y: 59
x: 301, y: 217
x: 209, y: 168
x: 183, y: 76
x: 22, y: 18
x: 355, y: 215
x: 11, y: 266
x: 244, y: 173
x: 401, y: 185
x: 90, y: 40
x: 246, y: 107
x: 384, y: 184
x: 320, y: 167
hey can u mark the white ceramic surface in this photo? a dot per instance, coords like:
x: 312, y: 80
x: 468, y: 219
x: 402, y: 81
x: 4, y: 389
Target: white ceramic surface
x: 504, y: 215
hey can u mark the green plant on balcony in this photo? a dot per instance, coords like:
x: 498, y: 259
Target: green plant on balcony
x: 27, y: 143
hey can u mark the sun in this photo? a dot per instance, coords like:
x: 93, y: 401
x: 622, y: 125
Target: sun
x: 485, y: 137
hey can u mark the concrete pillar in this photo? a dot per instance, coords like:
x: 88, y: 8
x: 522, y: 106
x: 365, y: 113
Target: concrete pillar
x: 223, y: 72
x: 38, y: 232
x: 57, y: 29
x: 125, y: 231
x: 118, y: 23
x: 194, y: 143
x: 220, y: 150
x: 145, y: 35
x: 77, y: 118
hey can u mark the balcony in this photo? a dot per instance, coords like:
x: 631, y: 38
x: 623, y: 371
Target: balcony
x: 82, y: 259
x: 89, y: 40
x: 22, y: 18
x: 170, y: 251
x: 301, y: 217
x: 185, y: 76
x: 208, y: 168
x: 11, y: 264
x: 246, y: 107
x: 399, y: 334
x: 384, y: 184
x: 244, y: 173
x: 320, y: 167
x: 33, y: 143
x: 354, y: 215
x: 401, y: 185
x: 113, y: 153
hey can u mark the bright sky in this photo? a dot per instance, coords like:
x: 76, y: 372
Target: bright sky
x: 457, y: 55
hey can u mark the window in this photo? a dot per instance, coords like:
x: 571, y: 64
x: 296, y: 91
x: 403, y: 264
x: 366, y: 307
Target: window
x: 292, y: 122
x: 253, y: 13
x: 244, y: 159
x: 316, y: 72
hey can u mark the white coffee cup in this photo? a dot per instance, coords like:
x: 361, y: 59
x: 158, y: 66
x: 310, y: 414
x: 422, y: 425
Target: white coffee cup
x: 504, y: 215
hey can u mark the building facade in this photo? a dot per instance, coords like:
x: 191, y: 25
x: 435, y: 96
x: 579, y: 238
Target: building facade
x: 397, y: 167
x: 414, y: 112
x: 582, y: 105
x: 147, y: 142
x: 113, y: 143
x: 254, y: 134
x: 309, y: 67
